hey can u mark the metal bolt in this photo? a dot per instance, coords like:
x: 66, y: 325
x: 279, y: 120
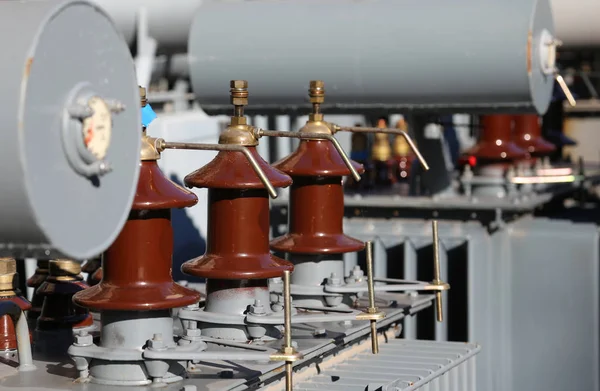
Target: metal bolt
x: 115, y: 106
x: 84, y: 339
x: 104, y: 167
x: 320, y: 332
x: 81, y: 112
x: 257, y: 308
x: 357, y: 272
x: 334, y: 280
x: 156, y: 342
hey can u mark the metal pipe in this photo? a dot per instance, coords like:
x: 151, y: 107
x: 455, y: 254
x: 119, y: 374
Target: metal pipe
x: 307, y: 136
x: 161, y: 145
x: 358, y: 129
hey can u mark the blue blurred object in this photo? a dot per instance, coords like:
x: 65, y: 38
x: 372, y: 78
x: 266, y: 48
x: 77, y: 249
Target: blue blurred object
x: 148, y: 115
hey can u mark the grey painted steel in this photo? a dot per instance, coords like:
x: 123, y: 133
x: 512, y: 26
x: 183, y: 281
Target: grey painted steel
x: 49, y: 49
x: 168, y: 23
x: 212, y: 375
x: 577, y: 23
x: 429, y: 54
x: 402, y: 365
x: 533, y: 295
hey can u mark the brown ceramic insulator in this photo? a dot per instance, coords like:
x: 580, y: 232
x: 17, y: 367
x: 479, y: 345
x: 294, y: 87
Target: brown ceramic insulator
x: 495, y: 141
x: 8, y: 336
x: 528, y: 135
x: 155, y: 191
x: 35, y: 281
x: 316, y: 201
x: 238, y: 219
x: 59, y: 311
x: 231, y: 170
x: 136, y: 269
x: 315, y: 158
x: 40, y: 274
x: 237, y: 243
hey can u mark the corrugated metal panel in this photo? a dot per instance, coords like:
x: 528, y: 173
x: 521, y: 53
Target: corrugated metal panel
x: 402, y: 365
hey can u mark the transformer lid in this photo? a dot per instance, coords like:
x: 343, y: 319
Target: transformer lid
x: 315, y: 158
x: 231, y: 170
x: 235, y: 267
x: 155, y: 191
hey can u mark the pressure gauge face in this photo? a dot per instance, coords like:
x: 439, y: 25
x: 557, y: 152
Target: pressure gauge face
x: 97, y: 128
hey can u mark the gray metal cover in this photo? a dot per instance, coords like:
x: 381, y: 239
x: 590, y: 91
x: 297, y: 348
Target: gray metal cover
x: 411, y: 54
x: 49, y: 49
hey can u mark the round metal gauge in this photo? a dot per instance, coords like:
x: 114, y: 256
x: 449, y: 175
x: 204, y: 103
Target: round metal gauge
x: 97, y: 129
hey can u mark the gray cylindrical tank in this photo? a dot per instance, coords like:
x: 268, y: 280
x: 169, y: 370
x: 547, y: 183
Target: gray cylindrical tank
x: 69, y: 111
x: 409, y: 54
x: 577, y: 23
x: 168, y: 21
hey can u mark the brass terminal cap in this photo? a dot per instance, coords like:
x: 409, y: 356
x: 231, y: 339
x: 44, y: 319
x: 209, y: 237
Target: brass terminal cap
x: 239, y: 92
x: 143, y: 99
x: 316, y: 91
x: 62, y: 267
x: 8, y: 266
x: 148, y: 151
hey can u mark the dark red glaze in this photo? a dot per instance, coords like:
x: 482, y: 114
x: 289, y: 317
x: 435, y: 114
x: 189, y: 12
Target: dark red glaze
x: 316, y: 219
x: 155, y: 191
x: 237, y: 244
x: 136, y: 269
x: 8, y: 336
x: 528, y: 135
x: 35, y: 281
x: 59, y: 311
x: 495, y: 141
x: 231, y: 170
x: 315, y: 158
x: 316, y: 201
x: 238, y: 238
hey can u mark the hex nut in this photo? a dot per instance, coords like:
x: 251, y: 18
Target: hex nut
x: 239, y: 84
x: 193, y: 332
x: 84, y: 339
